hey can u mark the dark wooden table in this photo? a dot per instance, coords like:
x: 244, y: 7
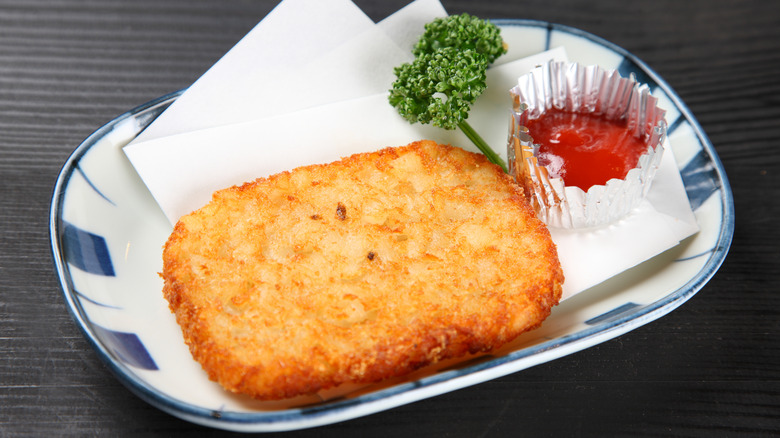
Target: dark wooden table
x: 710, y: 368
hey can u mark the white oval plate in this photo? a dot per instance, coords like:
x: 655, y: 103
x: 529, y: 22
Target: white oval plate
x: 107, y: 234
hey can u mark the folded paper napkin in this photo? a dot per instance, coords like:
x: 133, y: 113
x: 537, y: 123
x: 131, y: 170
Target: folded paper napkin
x: 279, y: 100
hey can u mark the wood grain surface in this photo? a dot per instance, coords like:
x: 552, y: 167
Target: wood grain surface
x: 708, y: 369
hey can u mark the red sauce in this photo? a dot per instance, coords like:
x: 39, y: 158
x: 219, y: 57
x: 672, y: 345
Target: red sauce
x: 584, y: 149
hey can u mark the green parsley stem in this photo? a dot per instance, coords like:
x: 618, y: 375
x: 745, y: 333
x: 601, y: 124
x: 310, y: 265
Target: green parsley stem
x: 481, y: 145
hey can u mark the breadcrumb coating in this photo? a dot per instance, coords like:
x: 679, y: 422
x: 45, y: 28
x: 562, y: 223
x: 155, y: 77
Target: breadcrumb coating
x: 359, y: 270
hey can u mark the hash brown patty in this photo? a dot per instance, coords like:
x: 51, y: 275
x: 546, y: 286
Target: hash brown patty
x: 358, y: 270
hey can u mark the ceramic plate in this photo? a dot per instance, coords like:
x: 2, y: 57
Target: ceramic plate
x: 107, y: 233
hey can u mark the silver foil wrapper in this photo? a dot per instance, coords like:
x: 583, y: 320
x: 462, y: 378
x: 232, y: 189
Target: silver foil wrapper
x: 583, y: 89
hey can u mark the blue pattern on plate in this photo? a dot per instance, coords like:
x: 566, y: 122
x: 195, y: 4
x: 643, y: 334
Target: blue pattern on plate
x: 612, y: 314
x: 548, y: 37
x: 700, y: 178
x: 91, y: 184
x: 86, y: 251
x: 696, y: 256
x: 127, y: 347
x: 97, y: 303
x: 673, y: 125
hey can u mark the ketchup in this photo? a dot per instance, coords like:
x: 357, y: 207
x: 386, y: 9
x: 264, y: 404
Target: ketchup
x: 584, y: 149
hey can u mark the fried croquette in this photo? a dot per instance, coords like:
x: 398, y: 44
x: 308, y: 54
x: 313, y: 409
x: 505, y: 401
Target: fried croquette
x: 359, y: 270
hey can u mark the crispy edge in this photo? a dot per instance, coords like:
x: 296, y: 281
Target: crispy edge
x: 436, y: 340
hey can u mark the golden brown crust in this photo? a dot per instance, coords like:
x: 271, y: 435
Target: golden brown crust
x: 358, y: 270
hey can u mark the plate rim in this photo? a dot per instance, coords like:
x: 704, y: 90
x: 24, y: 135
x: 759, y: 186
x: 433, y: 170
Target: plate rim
x: 439, y: 383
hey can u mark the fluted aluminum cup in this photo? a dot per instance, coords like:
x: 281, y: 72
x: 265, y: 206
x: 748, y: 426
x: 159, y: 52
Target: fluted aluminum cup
x: 583, y: 89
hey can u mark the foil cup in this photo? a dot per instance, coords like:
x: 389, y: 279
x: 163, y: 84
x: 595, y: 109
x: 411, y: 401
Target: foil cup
x: 583, y: 89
